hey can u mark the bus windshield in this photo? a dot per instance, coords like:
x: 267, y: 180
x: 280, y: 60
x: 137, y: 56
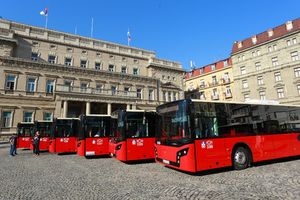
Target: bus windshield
x: 175, y: 123
x: 96, y: 126
x: 44, y: 128
x: 65, y: 128
x: 137, y: 125
x: 25, y: 130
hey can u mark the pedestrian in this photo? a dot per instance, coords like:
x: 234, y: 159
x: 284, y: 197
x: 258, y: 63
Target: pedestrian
x: 36, y: 144
x: 13, y: 145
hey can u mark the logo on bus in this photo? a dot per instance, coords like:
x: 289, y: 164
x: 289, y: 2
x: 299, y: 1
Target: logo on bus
x: 140, y: 142
x: 65, y: 140
x: 25, y: 139
x: 207, y: 144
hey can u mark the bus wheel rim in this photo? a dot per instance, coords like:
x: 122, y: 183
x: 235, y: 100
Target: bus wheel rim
x: 240, y: 157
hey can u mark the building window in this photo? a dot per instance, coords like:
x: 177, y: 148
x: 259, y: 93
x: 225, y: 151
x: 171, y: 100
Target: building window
x: 243, y: 70
x: 68, y: 61
x: 111, y: 68
x: 47, y: 116
x: 97, y: 65
x: 225, y: 63
x: 84, y: 52
x: 68, y: 83
x: 174, y: 96
x: 253, y: 54
x: 83, y: 63
x: 139, y: 93
x: 165, y: 96
x: 228, y: 92
x: 260, y: 80
x: 151, y: 95
x: 297, y: 72
x: 298, y: 88
x: 52, y: 59
x: 294, y: 40
x: 135, y: 71
x: 270, y: 49
x: 262, y: 95
x: 31, y: 84
x: 6, y: 119
x: 288, y: 42
x: 294, y: 56
x: 243, y: 57
x: 258, y: 52
x: 275, y: 61
x: 83, y: 87
x: 214, y: 80
x: 53, y: 47
x: 35, y: 44
x: 277, y: 76
x: 244, y: 84
x: 280, y: 93
x: 257, y: 66
x: 98, y: 54
x: 113, y: 90
x: 274, y: 47
x: 28, y: 116
x: 10, y: 82
x: 34, y: 56
x: 50, y: 86
x: 213, y: 67
x: 69, y: 49
x: 126, y: 90
x: 246, y: 97
x: 99, y: 88
x: 124, y: 70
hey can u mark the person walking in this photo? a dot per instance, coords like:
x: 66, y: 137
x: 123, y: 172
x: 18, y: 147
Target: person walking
x: 36, y: 144
x: 13, y: 145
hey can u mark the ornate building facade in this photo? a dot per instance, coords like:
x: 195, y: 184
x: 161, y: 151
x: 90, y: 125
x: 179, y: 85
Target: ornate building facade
x: 267, y: 65
x: 46, y: 74
x: 210, y: 82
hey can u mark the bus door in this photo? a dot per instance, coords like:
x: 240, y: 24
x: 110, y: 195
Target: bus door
x: 210, y: 150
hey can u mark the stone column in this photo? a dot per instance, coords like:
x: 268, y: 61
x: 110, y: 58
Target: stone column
x: 65, y: 109
x: 128, y: 107
x: 108, y: 108
x: 88, y: 108
x: 134, y: 106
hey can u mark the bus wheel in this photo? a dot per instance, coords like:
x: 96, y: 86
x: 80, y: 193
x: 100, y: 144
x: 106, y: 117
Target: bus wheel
x: 241, y: 158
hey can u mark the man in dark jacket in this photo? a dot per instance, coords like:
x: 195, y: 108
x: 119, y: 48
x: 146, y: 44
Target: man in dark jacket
x: 36, y: 144
x: 13, y: 145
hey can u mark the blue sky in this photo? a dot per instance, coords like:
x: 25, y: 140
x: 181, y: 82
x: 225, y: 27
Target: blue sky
x: 199, y: 30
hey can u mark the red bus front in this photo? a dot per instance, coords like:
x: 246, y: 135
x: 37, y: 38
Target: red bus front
x: 197, y: 135
x: 134, y: 136
x: 44, y: 129
x: 63, y: 137
x: 93, y: 135
x: 24, y: 134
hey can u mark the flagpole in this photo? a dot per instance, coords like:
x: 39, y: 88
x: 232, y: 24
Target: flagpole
x: 128, y: 40
x: 92, y: 27
x: 46, y: 24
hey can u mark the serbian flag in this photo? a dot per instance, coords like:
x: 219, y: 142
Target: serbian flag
x: 44, y: 12
x: 128, y: 36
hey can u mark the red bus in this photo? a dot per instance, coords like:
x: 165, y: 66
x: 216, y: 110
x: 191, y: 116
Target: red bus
x: 63, y: 137
x: 24, y: 133
x: 44, y: 128
x: 93, y: 135
x: 134, y: 136
x: 197, y: 135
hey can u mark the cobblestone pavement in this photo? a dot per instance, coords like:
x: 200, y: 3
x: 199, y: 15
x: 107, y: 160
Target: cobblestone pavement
x: 49, y: 176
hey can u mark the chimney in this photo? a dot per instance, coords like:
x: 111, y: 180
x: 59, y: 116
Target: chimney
x: 254, y: 39
x: 270, y: 32
x: 240, y: 45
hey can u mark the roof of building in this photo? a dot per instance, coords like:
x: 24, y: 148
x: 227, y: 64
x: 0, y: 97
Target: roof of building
x: 207, y: 68
x: 266, y: 36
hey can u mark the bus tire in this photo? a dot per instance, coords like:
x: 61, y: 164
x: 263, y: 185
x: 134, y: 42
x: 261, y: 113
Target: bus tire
x: 241, y: 158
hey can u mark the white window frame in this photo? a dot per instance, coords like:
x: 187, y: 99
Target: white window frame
x: 83, y: 65
x: 274, y: 61
x: 260, y: 80
x: 111, y: 68
x: 294, y: 56
x: 35, y: 58
x: 53, y: 86
x: 139, y: 95
x: 68, y: 63
x: 7, y: 121
x: 29, y: 88
x: 8, y: 87
x: 245, y: 84
x: 137, y: 71
x: 25, y: 118
x: 257, y: 66
x: 243, y: 70
x: 52, y: 61
x: 280, y: 93
x: 297, y: 72
x: 277, y: 76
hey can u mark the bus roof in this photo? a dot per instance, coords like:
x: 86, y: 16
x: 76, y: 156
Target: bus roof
x: 26, y: 122
x: 245, y: 103
x: 46, y: 121
x: 97, y: 115
x: 140, y: 111
x: 61, y: 118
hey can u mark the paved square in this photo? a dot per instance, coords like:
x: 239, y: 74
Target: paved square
x: 48, y: 176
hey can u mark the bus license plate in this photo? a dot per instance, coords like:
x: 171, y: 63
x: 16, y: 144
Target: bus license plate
x: 166, y: 162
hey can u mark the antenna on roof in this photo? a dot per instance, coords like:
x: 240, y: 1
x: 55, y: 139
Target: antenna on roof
x: 192, y: 65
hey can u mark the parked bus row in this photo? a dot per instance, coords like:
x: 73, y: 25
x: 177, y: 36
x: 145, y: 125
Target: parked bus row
x: 188, y: 135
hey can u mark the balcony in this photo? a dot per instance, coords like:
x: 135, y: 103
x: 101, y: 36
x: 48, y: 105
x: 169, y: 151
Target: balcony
x: 93, y: 91
x: 225, y: 80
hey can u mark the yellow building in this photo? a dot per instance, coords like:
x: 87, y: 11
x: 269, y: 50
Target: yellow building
x: 210, y: 82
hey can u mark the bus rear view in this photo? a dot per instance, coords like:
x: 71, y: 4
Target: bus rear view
x: 134, y: 136
x: 63, y: 138
x: 93, y: 135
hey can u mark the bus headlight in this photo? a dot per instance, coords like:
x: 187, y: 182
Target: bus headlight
x: 182, y: 152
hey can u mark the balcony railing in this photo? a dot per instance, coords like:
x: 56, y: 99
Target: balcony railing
x: 94, y: 91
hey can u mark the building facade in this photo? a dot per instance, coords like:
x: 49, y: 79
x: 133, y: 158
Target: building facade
x: 267, y: 66
x: 210, y: 82
x: 47, y: 74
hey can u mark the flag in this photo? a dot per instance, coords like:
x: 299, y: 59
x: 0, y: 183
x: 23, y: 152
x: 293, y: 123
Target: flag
x: 44, y: 12
x: 128, y: 36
